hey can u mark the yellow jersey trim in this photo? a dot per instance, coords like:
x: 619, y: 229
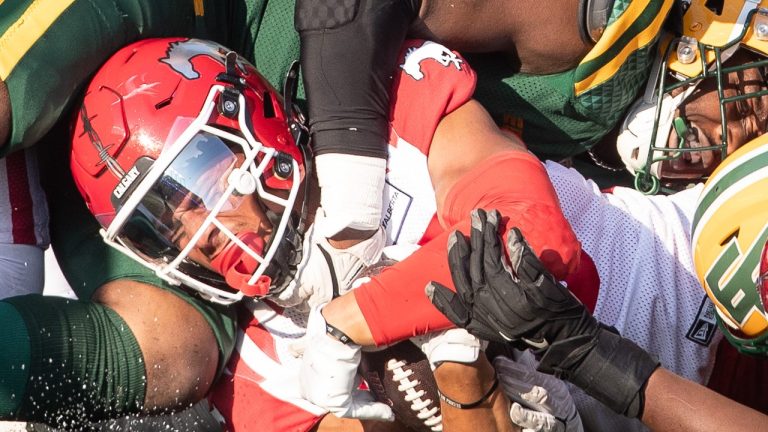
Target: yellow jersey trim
x: 613, y: 33
x: 23, y: 34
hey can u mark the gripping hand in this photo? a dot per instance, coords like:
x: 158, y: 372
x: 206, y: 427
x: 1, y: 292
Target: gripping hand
x: 328, y: 375
x: 519, y: 303
x: 326, y: 272
x: 522, y: 304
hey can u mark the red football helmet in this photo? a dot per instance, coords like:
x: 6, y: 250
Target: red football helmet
x: 169, y: 128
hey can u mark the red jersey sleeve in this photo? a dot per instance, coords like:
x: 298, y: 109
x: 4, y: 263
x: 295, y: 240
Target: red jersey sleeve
x: 514, y: 183
x: 431, y: 81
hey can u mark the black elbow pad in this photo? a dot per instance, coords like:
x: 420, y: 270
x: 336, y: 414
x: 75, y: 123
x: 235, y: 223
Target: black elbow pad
x: 349, y: 52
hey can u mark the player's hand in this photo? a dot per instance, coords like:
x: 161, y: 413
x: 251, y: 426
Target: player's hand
x: 328, y: 375
x: 522, y: 303
x: 540, y: 402
x: 326, y: 270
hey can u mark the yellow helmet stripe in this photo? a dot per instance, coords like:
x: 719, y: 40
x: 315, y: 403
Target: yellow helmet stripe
x: 746, y: 163
x: 26, y: 30
x: 633, y: 16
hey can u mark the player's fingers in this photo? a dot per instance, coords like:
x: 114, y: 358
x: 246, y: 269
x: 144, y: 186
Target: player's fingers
x: 493, y: 256
x: 476, y: 240
x: 541, y: 289
x: 527, y: 419
x: 450, y: 304
x: 297, y: 347
x: 363, y: 407
x: 524, y: 261
x: 536, y: 394
x: 458, y: 264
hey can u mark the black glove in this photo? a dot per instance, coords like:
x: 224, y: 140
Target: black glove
x: 525, y: 306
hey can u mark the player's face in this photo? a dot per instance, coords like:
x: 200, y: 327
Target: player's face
x: 241, y: 214
x: 249, y: 216
x: 745, y: 120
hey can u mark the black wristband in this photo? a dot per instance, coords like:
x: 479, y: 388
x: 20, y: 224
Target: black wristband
x: 338, y: 334
x: 460, y: 405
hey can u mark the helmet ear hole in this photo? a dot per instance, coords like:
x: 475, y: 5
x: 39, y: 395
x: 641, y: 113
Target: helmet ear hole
x: 269, y: 106
x: 715, y: 6
x: 163, y: 103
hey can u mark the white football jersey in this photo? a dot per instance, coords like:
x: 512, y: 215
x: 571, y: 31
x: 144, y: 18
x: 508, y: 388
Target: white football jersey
x: 648, y: 287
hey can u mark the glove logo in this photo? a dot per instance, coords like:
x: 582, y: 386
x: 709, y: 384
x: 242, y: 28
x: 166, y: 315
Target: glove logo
x: 542, y: 344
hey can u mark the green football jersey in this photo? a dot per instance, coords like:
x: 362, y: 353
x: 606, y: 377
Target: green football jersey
x: 563, y: 114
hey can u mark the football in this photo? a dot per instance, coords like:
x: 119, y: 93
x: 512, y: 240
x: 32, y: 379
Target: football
x: 400, y: 376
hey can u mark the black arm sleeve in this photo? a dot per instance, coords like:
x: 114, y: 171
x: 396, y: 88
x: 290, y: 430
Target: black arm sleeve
x: 348, y: 53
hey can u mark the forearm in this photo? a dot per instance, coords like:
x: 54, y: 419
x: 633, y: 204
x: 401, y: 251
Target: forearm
x: 344, y: 314
x: 348, y: 54
x: 673, y: 403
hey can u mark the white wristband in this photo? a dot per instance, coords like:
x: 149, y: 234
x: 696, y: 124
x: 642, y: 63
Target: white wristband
x: 351, y: 191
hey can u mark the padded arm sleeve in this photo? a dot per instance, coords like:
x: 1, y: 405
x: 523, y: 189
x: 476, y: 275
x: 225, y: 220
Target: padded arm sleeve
x: 514, y: 183
x: 83, y: 362
x: 348, y: 53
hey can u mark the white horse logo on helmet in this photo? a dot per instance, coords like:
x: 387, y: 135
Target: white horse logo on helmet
x: 429, y: 50
x: 180, y: 54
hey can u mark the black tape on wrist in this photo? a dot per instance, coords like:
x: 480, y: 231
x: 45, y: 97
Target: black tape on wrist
x: 460, y: 405
x: 615, y: 373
